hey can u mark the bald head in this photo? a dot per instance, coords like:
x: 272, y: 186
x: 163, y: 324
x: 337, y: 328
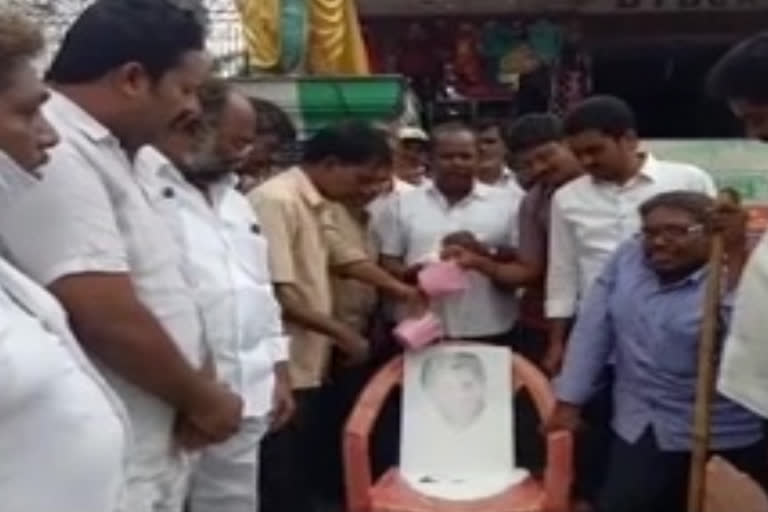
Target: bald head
x: 236, y: 124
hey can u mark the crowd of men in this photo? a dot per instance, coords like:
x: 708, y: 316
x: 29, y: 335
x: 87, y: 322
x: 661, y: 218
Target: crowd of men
x: 187, y: 319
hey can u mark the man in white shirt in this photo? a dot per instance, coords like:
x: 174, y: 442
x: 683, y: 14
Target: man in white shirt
x: 595, y: 213
x: 591, y: 216
x: 454, y: 209
x: 62, y: 430
x: 190, y: 179
x: 740, y: 77
x: 107, y: 256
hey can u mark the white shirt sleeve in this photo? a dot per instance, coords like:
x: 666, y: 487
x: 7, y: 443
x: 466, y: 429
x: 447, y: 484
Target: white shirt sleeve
x: 563, y: 267
x: 387, y: 227
x: 278, y: 349
x: 64, y: 225
x: 701, y: 181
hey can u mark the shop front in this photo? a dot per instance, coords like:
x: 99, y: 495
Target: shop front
x: 501, y: 59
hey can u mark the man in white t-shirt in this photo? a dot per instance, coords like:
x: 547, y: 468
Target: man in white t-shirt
x: 454, y: 209
x: 592, y: 215
x: 102, y: 249
x: 63, y: 432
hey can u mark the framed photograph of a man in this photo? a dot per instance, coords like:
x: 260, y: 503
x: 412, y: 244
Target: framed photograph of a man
x: 457, y: 432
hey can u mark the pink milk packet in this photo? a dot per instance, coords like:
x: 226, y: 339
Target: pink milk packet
x: 442, y: 278
x: 415, y: 333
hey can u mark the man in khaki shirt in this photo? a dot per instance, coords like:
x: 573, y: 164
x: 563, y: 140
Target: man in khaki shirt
x: 340, y: 163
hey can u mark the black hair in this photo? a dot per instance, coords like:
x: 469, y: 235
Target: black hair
x: 698, y: 205
x: 488, y: 123
x: 112, y: 33
x: 742, y: 73
x: 605, y: 114
x: 456, y: 360
x: 449, y: 128
x: 349, y: 142
x: 532, y: 130
x: 272, y: 119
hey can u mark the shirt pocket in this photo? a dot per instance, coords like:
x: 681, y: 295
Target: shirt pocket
x: 676, y: 350
x: 250, y: 250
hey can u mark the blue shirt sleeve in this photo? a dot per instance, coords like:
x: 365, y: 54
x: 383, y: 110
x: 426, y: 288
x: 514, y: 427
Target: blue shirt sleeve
x: 592, y: 340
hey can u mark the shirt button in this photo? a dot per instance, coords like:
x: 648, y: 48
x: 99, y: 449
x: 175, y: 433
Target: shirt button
x: 168, y: 193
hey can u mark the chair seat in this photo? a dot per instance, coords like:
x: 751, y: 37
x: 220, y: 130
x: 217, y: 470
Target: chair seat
x: 392, y: 493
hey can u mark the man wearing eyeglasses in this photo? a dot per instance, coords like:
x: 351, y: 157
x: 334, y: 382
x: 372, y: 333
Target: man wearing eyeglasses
x: 645, y: 309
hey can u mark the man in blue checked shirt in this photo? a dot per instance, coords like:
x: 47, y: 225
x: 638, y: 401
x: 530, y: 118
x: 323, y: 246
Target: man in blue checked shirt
x: 646, y: 309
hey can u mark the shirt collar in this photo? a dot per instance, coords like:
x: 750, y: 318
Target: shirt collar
x: 307, y: 189
x: 74, y: 116
x: 650, y: 168
x: 151, y: 162
x: 479, y: 190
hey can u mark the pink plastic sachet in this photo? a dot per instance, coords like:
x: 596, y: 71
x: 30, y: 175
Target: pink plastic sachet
x: 442, y: 278
x: 415, y: 333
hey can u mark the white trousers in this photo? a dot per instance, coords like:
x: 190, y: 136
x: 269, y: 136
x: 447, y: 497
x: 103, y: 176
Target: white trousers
x: 227, y: 474
x: 165, y: 491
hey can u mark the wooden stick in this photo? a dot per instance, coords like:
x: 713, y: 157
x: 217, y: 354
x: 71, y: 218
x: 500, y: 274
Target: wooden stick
x: 706, y: 377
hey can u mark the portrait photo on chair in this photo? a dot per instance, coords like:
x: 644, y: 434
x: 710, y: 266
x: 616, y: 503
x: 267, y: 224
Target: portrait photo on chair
x: 457, y: 420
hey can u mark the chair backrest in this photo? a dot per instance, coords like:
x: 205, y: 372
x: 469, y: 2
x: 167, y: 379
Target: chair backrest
x: 363, y: 418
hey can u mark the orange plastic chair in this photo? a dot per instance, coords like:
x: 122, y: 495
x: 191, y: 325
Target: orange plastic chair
x: 393, y: 494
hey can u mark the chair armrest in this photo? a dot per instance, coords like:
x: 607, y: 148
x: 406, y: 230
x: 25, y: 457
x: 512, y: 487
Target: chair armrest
x: 558, y: 475
x: 358, y: 478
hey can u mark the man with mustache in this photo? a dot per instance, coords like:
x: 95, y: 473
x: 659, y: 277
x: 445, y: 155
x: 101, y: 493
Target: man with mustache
x: 107, y: 255
x: 189, y: 176
x: 644, y: 312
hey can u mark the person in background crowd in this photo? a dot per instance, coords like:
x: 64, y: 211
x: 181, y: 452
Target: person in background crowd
x: 409, y: 157
x: 455, y: 209
x: 492, y: 168
x: 189, y: 177
x: 340, y: 163
x: 107, y: 256
x: 536, y: 145
x: 274, y: 141
x: 645, y: 310
x: 590, y: 217
x: 740, y: 78
x: 63, y: 433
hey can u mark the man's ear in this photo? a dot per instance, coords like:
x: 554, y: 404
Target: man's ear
x: 131, y: 80
x: 630, y: 140
x: 330, y: 163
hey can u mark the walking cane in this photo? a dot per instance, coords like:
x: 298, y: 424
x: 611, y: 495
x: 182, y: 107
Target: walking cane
x: 705, y: 380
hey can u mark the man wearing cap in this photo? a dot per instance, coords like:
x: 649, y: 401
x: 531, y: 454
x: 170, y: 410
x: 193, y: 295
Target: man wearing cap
x: 410, y: 155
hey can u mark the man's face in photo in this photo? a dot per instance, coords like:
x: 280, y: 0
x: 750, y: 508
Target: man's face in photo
x: 456, y: 385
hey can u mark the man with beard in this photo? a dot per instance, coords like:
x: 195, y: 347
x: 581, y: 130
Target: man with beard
x: 189, y: 177
x: 62, y: 430
x: 107, y: 255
